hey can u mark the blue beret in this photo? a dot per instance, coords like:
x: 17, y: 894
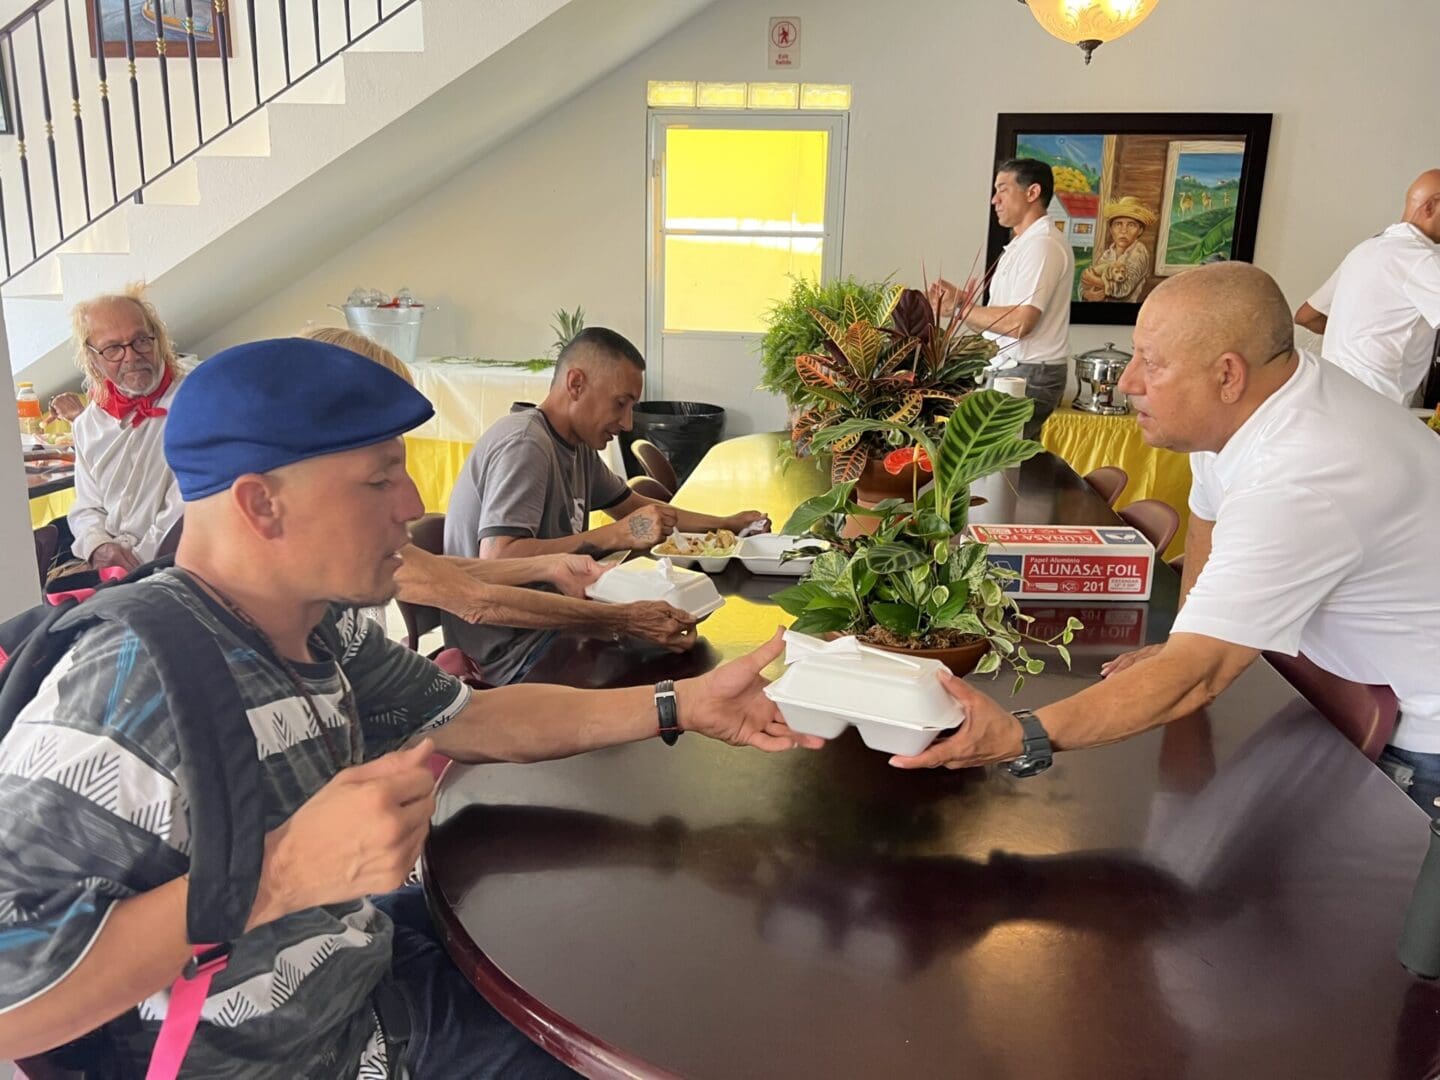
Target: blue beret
x: 259, y: 406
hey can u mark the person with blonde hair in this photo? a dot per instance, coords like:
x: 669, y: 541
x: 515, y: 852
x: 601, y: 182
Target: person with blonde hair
x: 126, y: 498
x: 488, y: 590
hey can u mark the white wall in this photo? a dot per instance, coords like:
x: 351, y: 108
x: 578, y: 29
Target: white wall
x: 19, y: 584
x: 556, y: 216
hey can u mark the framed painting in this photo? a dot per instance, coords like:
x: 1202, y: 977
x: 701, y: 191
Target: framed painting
x: 153, y: 21
x: 1141, y: 196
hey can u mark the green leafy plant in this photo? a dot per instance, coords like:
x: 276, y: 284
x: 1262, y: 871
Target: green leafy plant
x: 873, y: 384
x: 792, y: 331
x: 566, y: 325
x: 917, y: 581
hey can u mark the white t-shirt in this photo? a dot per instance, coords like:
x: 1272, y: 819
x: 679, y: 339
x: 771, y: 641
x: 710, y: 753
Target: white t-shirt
x: 123, y: 489
x: 1383, y: 305
x: 1326, y: 506
x: 1036, y: 268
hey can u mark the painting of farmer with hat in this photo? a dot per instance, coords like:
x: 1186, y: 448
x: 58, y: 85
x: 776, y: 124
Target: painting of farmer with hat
x: 1120, y: 272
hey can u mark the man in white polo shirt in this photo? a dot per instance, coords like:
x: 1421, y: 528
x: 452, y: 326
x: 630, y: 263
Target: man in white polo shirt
x: 1028, y: 316
x: 1380, y: 310
x: 1315, y: 506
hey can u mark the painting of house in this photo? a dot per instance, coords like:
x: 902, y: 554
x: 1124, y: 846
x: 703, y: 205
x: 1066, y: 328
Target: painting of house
x: 1075, y: 213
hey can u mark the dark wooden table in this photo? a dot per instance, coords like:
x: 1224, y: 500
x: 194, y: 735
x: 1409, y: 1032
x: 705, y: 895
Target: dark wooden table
x: 39, y: 484
x: 1218, y: 899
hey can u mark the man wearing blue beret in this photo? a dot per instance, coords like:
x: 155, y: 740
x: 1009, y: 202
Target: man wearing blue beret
x: 289, y: 458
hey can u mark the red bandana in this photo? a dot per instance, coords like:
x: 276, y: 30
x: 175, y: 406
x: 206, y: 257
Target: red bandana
x: 120, y: 404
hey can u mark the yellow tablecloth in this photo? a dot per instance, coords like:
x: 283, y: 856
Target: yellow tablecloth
x: 47, y: 508
x: 434, y: 464
x: 1087, y: 441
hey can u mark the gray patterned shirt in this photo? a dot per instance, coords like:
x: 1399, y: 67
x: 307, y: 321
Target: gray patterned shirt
x: 95, y: 812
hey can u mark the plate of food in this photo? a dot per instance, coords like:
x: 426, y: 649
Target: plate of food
x: 711, y: 551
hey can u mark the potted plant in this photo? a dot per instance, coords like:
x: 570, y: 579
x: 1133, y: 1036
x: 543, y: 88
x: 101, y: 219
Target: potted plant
x: 917, y: 584
x: 880, y: 383
x: 792, y: 331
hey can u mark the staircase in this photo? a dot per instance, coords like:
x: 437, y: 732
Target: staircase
x: 299, y: 125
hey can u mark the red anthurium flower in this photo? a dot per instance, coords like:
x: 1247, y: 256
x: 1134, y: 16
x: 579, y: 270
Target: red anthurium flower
x: 896, y: 460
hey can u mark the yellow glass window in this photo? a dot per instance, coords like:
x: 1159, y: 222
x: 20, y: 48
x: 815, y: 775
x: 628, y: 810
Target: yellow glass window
x: 743, y: 211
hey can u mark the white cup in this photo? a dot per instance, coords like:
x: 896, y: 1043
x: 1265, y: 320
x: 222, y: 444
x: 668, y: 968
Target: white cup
x: 1014, y: 385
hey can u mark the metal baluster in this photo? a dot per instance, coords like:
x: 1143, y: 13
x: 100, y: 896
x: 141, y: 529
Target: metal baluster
x: 4, y: 229
x: 75, y: 105
x: 194, y: 67
x: 135, y: 99
x: 315, y: 9
x: 254, y: 47
x: 285, y: 37
x: 162, y: 53
x: 105, y: 101
x: 379, y: 11
x: 348, y: 36
x: 49, y: 124
x: 222, y: 37
x: 24, y: 158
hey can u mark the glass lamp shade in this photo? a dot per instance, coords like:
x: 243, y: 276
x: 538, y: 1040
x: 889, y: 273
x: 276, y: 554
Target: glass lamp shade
x: 1090, y: 23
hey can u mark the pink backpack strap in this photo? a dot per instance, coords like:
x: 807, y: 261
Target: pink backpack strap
x: 187, y: 997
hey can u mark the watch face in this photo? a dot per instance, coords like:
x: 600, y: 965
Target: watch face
x: 1025, y: 765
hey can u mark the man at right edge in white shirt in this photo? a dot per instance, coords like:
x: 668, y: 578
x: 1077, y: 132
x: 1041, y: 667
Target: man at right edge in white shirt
x: 1315, y: 508
x: 1380, y: 310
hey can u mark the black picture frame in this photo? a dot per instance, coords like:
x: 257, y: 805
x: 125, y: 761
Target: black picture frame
x: 1129, y: 145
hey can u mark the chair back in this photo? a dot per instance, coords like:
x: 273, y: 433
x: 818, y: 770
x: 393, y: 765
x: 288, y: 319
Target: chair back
x: 1364, y: 714
x: 1109, y: 482
x: 1156, y: 520
x: 172, y: 539
x: 650, y: 488
x: 656, y: 465
x: 428, y: 534
x: 47, y: 540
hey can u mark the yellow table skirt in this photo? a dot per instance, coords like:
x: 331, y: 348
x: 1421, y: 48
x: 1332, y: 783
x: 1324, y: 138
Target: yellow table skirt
x: 434, y: 464
x: 1087, y: 442
x: 47, y: 508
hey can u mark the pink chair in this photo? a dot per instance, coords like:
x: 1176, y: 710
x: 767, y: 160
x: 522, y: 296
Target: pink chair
x: 1109, y: 482
x: 650, y: 488
x: 656, y: 465
x: 1364, y: 714
x: 1157, y: 521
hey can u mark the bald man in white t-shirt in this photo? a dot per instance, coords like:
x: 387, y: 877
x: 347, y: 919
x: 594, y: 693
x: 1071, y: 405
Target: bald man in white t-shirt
x: 1315, y: 509
x: 1380, y: 310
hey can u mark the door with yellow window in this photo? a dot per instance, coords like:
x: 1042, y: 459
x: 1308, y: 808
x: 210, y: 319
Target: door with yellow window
x: 739, y: 203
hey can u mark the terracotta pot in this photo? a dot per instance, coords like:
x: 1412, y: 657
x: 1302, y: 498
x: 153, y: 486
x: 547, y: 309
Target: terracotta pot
x: 863, y: 525
x: 876, y: 484
x: 960, y: 659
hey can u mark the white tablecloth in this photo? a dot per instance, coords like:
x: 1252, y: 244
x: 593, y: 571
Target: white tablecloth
x: 470, y: 395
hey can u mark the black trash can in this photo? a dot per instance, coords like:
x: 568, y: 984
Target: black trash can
x: 683, y: 430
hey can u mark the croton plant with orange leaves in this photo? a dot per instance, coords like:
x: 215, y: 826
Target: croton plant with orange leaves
x: 910, y: 370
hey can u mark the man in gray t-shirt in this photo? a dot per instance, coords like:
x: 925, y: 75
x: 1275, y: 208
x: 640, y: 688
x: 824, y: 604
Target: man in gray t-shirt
x: 531, y: 481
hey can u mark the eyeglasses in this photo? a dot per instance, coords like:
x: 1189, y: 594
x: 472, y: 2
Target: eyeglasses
x: 143, y: 344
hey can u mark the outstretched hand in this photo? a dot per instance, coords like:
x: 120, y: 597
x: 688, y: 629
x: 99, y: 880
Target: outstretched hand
x: 729, y: 704
x: 987, y: 735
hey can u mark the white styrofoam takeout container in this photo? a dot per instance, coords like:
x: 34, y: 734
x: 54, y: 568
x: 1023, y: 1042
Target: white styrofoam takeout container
x: 761, y: 554
x: 896, y: 701
x: 711, y: 564
x: 648, y: 579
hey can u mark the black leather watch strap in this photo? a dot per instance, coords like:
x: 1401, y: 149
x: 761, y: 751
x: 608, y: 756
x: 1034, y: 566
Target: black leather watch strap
x: 668, y: 713
x: 1038, y: 754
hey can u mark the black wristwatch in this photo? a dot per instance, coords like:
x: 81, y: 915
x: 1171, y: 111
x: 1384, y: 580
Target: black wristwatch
x: 1038, y: 754
x: 669, y: 714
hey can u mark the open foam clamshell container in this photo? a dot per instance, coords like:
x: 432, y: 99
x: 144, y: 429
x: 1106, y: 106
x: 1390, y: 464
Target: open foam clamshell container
x: 711, y: 564
x: 649, y: 579
x: 761, y: 554
x: 896, y: 701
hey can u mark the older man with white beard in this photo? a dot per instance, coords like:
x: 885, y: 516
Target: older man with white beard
x: 126, y: 498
